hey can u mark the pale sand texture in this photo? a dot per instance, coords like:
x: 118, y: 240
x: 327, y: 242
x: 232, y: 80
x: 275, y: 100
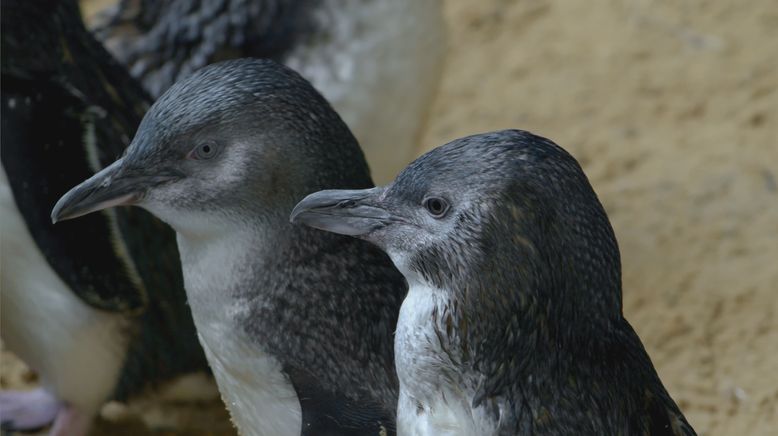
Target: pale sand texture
x: 671, y: 107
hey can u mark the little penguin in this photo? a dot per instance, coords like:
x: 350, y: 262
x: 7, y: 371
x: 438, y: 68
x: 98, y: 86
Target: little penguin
x: 513, y: 322
x: 374, y: 60
x: 96, y: 307
x: 297, y: 324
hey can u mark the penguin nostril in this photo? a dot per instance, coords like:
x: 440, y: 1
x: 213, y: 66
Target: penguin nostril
x: 346, y: 203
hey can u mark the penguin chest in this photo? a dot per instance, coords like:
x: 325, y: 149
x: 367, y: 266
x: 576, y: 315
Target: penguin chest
x: 434, y: 399
x: 258, y: 394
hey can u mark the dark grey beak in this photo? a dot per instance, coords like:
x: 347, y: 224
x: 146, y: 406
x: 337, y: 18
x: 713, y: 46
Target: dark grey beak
x: 351, y: 213
x: 116, y: 185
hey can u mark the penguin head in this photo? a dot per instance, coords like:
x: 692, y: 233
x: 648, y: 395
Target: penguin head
x: 508, y: 208
x: 232, y: 141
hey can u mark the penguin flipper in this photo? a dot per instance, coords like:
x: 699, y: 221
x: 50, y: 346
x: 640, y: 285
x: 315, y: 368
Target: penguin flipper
x: 60, y: 124
x: 42, y: 154
x: 662, y: 420
x: 329, y: 413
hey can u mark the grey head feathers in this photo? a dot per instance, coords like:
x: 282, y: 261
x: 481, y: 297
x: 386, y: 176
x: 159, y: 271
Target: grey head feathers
x: 507, y: 228
x: 512, y: 183
x: 256, y: 100
x: 245, y: 112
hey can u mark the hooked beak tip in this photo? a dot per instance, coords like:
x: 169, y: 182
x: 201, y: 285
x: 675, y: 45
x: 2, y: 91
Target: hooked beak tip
x: 58, y: 213
x: 293, y: 215
x: 63, y: 210
x: 115, y: 185
x: 346, y: 212
x: 300, y: 209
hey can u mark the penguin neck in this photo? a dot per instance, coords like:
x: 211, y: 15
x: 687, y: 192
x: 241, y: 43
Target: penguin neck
x: 219, y: 267
x: 476, y: 326
x: 222, y: 258
x: 299, y: 295
x: 326, y: 305
x: 209, y: 263
x: 437, y: 381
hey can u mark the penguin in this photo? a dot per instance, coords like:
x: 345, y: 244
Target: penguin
x: 95, y: 307
x: 355, y: 52
x: 513, y: 322
x: 297, y: 324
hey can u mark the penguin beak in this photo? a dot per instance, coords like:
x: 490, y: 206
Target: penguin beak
x: 118, y: 184
x: 347, y: 212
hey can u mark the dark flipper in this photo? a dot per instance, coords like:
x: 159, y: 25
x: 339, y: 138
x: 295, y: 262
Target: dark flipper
x: 327, y: 413
x: 53, y: 113
x: 68, y: 110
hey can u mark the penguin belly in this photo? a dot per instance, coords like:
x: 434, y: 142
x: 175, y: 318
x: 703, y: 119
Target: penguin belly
x: 258, y: 395
x: 76, y: 350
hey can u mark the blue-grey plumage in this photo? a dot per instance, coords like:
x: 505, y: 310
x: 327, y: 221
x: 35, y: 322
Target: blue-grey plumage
x: 373, y: 60
x: 297, y: 324
x: 513, y: 322
x: 96, y: 308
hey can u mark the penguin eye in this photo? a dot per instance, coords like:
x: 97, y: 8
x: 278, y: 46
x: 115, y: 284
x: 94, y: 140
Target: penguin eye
x: 204, y: 151
x: 436, y: 206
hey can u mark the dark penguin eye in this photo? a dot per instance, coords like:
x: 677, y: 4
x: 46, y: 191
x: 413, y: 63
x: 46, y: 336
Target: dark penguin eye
x: 204, y: 151
x: 436, y: 206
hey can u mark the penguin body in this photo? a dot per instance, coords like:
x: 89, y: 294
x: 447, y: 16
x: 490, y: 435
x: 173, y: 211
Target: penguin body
x: 97, y: 308
x: 513, y: 321
x: 297, y: 323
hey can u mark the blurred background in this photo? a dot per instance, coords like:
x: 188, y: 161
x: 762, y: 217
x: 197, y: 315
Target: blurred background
x: 671, y: 108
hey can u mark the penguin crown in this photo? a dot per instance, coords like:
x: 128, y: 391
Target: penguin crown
x: 507, y: 204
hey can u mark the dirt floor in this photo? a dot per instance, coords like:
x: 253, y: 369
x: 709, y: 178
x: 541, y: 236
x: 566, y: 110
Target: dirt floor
x: 671, y: 107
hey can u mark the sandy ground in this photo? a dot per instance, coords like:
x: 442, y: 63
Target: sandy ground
x: 671, y: 107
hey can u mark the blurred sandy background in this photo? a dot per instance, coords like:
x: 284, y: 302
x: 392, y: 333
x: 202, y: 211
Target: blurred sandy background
x: 671, y: 107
